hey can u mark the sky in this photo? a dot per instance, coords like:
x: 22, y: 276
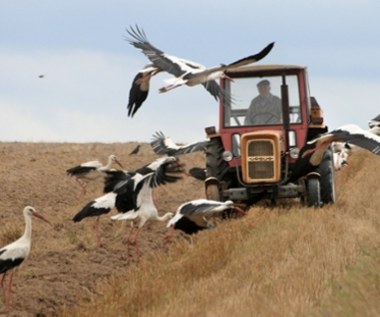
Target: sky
x: 88, y: 66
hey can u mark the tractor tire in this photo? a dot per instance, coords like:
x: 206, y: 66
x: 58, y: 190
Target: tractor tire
x: 216, y: 168
x: 213, y: 192
x: 313, y: 192
x: 327, y: 178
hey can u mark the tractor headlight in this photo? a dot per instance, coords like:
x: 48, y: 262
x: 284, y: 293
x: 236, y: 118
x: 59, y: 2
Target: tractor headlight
x: 294, y: 152
x: 227, y: 156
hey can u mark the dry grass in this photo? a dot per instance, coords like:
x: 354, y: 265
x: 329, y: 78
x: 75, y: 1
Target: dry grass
x: 283, y: 261
x: 287, y: 261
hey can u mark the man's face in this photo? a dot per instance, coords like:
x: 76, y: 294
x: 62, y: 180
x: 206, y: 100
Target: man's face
x: 264, y: 89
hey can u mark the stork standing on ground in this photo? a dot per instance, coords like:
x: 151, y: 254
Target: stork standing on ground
x: 311, y: 154
x: 13, y: 254
x: 196, y: 215
x: 186, y: 72
x: 131, y: 194
x: 135, y: 200
x: 91, y: 170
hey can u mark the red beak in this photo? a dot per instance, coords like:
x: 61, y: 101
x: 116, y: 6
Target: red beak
x: 38, y: 215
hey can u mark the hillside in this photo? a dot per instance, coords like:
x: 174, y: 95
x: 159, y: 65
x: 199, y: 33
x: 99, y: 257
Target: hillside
x: 283, y: 261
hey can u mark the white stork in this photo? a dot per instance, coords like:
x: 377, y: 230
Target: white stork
x: 186, y: 72
x: 162, y: 144
x: 131, y: 194
x: 196, y: 215
x: 374, y: 125
x: 13, y: 254
x: 135, y: 202
x: 91, y: 170
x: 311, y: 154
x: 140, y: 88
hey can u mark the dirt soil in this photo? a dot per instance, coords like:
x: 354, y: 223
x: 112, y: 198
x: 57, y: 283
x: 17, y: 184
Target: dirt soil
x: 65, y: 263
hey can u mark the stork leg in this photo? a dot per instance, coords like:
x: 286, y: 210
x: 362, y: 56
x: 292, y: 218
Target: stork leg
x: 129, y: 242
x: 167, y: 88
x: 4, y: 289
x: 137, y: 245
x: 99, y: 242
x: 9, y: 291
x: 82, y: 186
x: 169, y: 234
x: 2, y: 279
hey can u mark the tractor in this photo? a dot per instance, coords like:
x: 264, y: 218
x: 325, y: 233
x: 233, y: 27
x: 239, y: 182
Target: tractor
x: 248, y: 162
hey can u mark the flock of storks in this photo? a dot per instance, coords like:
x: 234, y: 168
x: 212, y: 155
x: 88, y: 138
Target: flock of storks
x: 130, y: 192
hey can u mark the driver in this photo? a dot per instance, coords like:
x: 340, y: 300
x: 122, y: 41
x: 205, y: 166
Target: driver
x: 265, y: 108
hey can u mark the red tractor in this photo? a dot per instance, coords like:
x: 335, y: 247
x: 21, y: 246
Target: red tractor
x: 250, y: 160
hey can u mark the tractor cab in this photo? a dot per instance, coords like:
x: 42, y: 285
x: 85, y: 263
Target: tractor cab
x: 265, y: 118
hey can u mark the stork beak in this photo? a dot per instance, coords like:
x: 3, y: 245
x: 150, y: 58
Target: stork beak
x: 118, y: 163
x: 38, y: 215
x: 240, y: 210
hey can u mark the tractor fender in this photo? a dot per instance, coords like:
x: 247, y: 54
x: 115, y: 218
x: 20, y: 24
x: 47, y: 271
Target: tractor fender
x: 211, y: 181
x: 313, y: 175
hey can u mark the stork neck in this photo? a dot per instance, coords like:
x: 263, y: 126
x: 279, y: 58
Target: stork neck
x: 28, y: 228
x: 165, y: 217
x: 109, y: 164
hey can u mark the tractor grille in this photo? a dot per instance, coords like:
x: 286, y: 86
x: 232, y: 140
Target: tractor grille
x: 260, y: 157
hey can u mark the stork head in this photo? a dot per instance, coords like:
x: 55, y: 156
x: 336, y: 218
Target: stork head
x: 113, y: 158
x: 31, y: 212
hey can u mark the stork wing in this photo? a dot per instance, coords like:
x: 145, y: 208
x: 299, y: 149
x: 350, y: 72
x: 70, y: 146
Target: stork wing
x: 354, y: 135
x: 168, y: 63
x: 164, y: 145
x: 199, y: 207
x: 252, y: 58
x: 97, y: 207
x: 114, y: 179
x: 168, y: 172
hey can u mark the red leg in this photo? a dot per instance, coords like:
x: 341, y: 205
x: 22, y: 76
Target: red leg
x: 137, y: 245
x: 9, y: 290
x: 96, y: 230
x: 2, y: 279
x: 169, y: 234
x: 4, y: 288
x: 82, y: 185
x: 129, y: 242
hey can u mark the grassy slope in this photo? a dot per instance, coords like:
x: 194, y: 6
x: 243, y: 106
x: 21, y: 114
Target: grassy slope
x: 287, y: 261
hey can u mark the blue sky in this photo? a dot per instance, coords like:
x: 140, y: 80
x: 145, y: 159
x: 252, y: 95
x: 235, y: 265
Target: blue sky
x: 79, y: 46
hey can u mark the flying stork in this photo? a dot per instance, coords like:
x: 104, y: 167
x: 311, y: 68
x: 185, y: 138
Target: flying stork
x: 91, y: 170
x: 185, y: 72
x: 162, y: 144
x: 311, y: 154
x: 131, y: 195
x: 196, y: 215
x: 13, y: 254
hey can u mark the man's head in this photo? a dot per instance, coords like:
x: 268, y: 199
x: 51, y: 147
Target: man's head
x: 264, y: 87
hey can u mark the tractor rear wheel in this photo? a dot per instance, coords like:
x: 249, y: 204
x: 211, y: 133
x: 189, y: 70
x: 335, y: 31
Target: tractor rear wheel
x: 216, y: 168
x: 327, y: 178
